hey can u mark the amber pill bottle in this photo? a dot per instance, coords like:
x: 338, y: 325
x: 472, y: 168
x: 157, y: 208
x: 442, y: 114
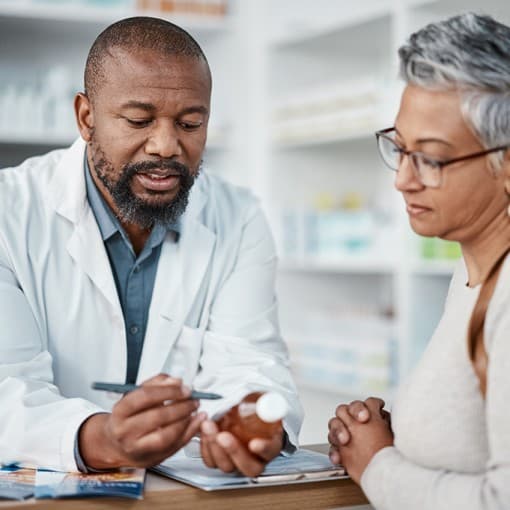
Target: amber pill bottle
x: 258, y: 415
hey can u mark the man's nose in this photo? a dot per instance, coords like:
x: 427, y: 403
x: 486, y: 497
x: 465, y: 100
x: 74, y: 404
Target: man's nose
x: 164, y: 140
x: 406, y: 177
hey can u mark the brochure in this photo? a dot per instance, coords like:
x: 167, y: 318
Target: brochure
x: 126, y: 482
x: 16, y: 482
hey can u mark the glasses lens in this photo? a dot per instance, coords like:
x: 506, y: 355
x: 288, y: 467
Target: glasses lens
x: 428, y: 170
x: 389, y: 151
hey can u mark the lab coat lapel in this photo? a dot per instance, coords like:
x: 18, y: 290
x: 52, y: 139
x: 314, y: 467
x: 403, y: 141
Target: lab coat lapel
x: 188, y: 261
x: 85, y: 244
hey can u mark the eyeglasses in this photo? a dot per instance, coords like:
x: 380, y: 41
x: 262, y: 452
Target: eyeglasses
x: 427, y: 169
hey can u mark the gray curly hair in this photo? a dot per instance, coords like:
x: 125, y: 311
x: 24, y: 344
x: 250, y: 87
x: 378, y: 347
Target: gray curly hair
x: 470, y: 53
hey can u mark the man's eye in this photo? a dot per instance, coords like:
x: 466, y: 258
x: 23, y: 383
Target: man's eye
x: 190, y: 126
x: 139, y: 123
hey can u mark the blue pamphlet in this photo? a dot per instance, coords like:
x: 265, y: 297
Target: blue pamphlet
x: 16, y: 482
x: 127, y: 483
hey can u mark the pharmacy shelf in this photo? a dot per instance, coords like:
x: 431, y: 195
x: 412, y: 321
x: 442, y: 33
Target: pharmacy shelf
x: 351, y: 264
x: 80, y: 14
x: 347, y: 396
x: 302, y: 31
x: 330, y: 140
x: 57, y: 140
x: 37, y: 139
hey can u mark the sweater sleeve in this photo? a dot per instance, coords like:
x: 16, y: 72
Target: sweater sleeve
x: 392, y: 482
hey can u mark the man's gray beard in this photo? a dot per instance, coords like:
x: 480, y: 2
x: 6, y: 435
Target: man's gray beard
x: 132, y: 209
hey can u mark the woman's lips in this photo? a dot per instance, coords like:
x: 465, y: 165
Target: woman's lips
x: 416, y: 209
x: 158, y: 182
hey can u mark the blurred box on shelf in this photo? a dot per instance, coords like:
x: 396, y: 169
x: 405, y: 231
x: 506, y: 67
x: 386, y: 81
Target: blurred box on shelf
x: 213, y: 8
x: 35, y: 108
x: 433, y: 248
x: 306, y: 232
x: 331, y: 111
x: 85, y: 3
x: 349, y: 352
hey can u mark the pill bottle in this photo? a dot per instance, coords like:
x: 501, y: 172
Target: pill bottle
x: 258, y: 415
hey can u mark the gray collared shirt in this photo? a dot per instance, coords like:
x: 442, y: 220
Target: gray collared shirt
x: 134, y: 276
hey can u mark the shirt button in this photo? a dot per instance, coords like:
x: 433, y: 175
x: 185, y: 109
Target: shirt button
x: 133, y: 330
x: 137, y: 269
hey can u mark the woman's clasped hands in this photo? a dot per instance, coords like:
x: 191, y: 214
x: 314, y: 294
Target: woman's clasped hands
x: 357, y: 432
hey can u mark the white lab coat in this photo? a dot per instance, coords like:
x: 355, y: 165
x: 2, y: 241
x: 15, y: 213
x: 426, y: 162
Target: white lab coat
x: 212, y: 319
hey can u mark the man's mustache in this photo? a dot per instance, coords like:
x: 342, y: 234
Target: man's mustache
x: 147, y: 166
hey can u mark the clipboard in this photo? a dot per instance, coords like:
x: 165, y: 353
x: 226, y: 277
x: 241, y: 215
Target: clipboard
x: 304, y: 466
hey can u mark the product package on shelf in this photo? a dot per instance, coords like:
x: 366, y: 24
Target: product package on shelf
x: 333, y: 111
x: 335, y: 233
x: 345, y: 351
x: 212, y: 8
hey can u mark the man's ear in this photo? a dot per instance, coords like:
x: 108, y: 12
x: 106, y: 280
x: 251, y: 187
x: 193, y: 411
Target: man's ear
x: 84, y: 116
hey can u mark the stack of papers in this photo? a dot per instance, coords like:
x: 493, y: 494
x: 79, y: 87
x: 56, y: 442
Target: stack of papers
x: 303, y: 466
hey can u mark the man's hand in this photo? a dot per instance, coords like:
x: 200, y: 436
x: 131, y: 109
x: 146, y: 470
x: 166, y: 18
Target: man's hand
x: 145, y: 427
x: 339, y: 434
x: 224, y: 451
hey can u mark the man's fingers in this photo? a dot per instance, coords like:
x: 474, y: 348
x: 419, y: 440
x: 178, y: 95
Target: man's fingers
x: 359, y: 411
x: 165, y: 441
x: 205, y: 451
x: 215, y: 456
x: 221, y: 457
x: 243, y: 460
x: 149, y: 420
x: 162, y: 379
x: 267, y: 449
x: 193, y: 427
x: 149, y: 396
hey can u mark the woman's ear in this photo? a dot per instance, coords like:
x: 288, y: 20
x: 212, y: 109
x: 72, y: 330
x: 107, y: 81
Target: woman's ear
x: 84, y: 116
x: 505, y: 170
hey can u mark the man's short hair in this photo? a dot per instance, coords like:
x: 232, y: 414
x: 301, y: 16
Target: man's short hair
x: 138, y: 33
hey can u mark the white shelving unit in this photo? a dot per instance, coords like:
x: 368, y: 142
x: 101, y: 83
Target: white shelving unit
x: 299, y: 88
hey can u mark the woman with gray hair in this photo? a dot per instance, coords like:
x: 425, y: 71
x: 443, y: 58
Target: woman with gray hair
x: 447, y: 445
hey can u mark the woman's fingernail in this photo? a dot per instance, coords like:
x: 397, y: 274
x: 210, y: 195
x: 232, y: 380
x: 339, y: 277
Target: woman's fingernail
x: 363, y: 414
x: 342, y: 437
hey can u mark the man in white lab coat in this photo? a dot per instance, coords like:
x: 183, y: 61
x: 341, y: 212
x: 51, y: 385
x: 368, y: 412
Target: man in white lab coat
x: 120, y: 260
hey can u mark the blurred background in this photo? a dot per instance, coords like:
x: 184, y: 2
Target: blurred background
x: 300, y: 86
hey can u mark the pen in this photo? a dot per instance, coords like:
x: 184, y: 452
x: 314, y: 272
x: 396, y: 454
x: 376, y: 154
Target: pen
x: 125, y: 388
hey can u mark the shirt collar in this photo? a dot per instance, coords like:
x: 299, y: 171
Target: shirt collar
x: 108, y: 222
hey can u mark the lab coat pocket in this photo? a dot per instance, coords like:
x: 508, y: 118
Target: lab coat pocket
x: 184, y: 357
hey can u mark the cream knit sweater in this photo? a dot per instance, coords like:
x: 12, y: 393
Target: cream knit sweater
x: 452, y: 448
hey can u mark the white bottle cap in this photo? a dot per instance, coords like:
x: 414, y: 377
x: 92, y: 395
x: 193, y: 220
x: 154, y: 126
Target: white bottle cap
x: 271, y: 407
